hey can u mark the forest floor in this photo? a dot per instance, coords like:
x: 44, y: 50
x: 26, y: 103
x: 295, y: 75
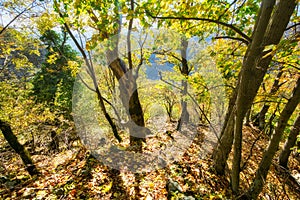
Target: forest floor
x: 75, y: 174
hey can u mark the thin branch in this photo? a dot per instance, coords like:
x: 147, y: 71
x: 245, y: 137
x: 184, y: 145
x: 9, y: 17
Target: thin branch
x: 16, y: 17
x: 86, y: 85
x: 233, y: 2
x: 292, y: 26
x: 193, y: 99
x: 232, y: 38
x: 114, y: 108
x: 168, y: 53
x: 81, y: 41
x: 267, y: 101
x: 107, y: 79
x: 238, y: 31
x: 288, y: 64
x: 128, y: 37
x: 141, y: 54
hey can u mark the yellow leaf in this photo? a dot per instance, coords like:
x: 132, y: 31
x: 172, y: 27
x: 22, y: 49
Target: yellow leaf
x: 106, y: 188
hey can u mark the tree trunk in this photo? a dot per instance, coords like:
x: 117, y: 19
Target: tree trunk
x: 223, y: 149
x: 184, y: 117
x: 54, y: 144
x: 260, y: 117
x: 130, y: 99
x: 137, y: 115
x: 290, y: 142
x: 14, y: 143
x: 266, y: 161
x: 268, y: 30
x: 269, y: 127
x: 93, y: 76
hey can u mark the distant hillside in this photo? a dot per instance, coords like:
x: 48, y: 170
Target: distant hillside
x: 153, y: 69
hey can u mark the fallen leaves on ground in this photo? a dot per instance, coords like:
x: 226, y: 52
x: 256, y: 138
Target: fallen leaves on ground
x: 75, y: 174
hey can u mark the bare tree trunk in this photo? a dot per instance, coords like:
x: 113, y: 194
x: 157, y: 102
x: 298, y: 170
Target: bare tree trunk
x: 54, y: 144
x: 266, y: 161
x: 137, y: 115
x: 290, y: 142
x: 14, y: 143
x: 269, y: 127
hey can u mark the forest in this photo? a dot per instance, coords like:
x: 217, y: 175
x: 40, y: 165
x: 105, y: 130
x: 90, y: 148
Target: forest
x: 150, y: 99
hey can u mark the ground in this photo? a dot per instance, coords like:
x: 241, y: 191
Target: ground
x: 75, y: 174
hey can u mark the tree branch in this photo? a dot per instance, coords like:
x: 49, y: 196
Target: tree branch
x: 233, y: 38
x: 290, y: 27
x: 194, y: 100
x: 238, y: 31
x: 128, y: 37
x: 16, y: 17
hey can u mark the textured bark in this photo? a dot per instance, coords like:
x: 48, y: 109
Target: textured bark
x: 130, y: 99
x: 268, y: 155
x: 290, y: 142
x: 137, y: 115
x: 252, y: 74
x: 14, y: 143
x: 269, y: 29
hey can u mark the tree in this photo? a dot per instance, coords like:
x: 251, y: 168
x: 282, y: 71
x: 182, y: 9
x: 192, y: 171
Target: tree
x: 16, y: 63
x: 270, y: 25
x: 268, y: 155
x: 268, y: 30
x: 169, y: 102
x: 290, y: 143
x: 106, y: 29
x: 53, y: 83
x: 14, y: 143
x: 260, y: 118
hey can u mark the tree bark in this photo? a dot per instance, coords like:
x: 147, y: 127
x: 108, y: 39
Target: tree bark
x: 223, y: 149
x: 15, y: 144
x: 54, y: 144
x: 266, y: 161
x: 129, y: 98
x: 184, y: 117
x: 221, y: 153
x: 269, y: 29
x: 290, y: 142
